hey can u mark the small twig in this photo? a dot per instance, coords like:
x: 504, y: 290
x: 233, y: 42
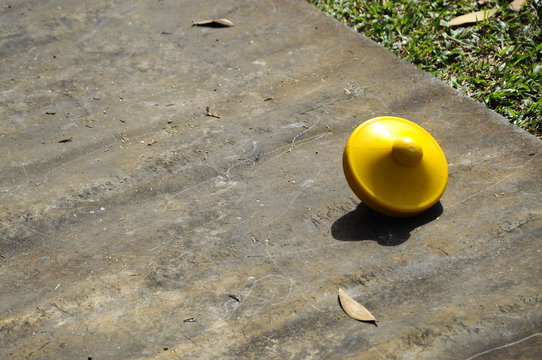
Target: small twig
x: 212, y: 114
x: 234, y: 297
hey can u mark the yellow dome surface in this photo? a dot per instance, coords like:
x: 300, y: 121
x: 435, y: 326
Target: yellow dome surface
x: 394, y: 166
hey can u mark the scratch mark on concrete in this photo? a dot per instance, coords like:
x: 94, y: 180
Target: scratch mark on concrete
x: 504, y: 346
x: 288, y: 277
x: 248, y: 294
x: 493, y: 184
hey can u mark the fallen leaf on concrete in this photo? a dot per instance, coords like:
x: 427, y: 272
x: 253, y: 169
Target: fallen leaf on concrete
x: 472, y: 17
x: 213, y: 23
x: 516, y: 5
x: 354, y: 309
x: 67, y: 140
x: 210, y: 113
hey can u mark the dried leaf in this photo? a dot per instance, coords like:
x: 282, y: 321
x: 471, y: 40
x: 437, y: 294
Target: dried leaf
x: 516, y: 5
x: 472, y: 17
x: 354, y: 309
x: 217, y: 23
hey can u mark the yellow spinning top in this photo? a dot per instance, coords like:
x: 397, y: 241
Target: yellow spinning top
x: 394, y: 166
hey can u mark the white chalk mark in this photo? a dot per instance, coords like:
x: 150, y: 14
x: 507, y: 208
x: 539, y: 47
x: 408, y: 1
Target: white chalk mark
x: 479, y: 158
x: 24, y: 169
x: 288, y: 277
x: 244, y: 297
x: 504, y: 346
x: 309, y: 128
x: 293, y: 125
x: 248, y: 294
x: 493, y: 184
x: 304, y: 251
x: 379, y: 353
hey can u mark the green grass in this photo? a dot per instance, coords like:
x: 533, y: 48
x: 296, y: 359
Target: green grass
x: 497, y: 61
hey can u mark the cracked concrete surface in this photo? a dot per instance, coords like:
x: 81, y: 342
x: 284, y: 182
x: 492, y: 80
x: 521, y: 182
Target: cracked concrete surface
x: 134, y: 225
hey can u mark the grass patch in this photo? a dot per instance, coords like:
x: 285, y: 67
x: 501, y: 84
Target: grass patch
x: 497, y: 61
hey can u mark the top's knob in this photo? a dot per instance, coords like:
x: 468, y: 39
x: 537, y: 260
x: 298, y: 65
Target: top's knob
x: 406, y: 151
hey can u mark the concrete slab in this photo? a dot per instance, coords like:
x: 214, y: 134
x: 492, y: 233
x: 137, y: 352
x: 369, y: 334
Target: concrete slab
x: 135, y: 225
